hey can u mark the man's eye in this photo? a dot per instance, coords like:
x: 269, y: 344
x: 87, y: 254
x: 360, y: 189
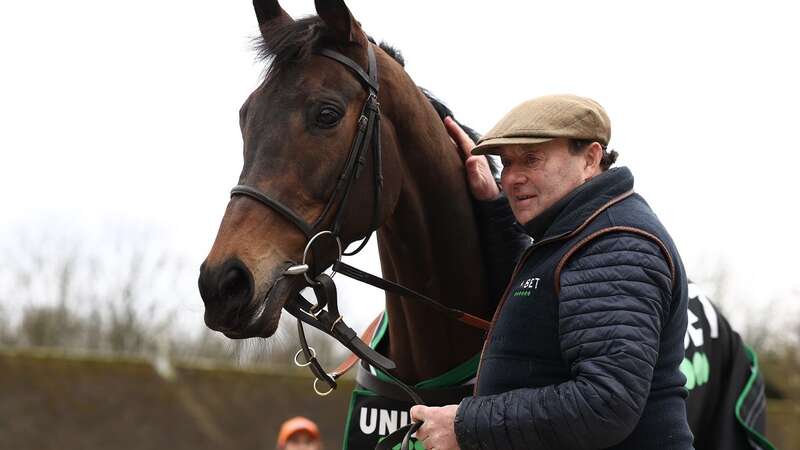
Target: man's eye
x: 328, y: 117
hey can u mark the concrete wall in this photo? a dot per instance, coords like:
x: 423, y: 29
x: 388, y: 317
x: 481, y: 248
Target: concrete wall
x: 85, y: 403
x: 55, y: 402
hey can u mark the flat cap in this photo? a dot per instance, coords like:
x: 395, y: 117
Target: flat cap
x: 546, y: 118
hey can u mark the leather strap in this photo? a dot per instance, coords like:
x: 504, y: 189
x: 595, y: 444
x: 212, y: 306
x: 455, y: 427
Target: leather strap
x: 389, y: 286
x: 299, y: 307
x: 351, y: 360
x: 399, y: 436
x: 355, y: 162
x: 311, y: 359
x: 285, y: 211
x: 371, y: 82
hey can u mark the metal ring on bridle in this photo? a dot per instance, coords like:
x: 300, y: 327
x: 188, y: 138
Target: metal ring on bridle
x: 308, y: 247
x: 307, y: 363
x: 320, y: 393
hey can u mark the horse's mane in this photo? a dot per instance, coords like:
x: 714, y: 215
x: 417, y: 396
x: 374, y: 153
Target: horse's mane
x: 295, y: 41
x: 443, y: 111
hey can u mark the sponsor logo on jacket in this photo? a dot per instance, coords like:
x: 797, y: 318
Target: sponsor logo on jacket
x: 526, y: 287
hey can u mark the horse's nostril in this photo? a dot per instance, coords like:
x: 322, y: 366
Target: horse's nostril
x: 235, y: 284
x: 205, y: 284
x: 227, y: 290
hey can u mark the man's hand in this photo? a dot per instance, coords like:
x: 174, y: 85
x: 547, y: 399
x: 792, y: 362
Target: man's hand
x: 438, y: 432
x: 479, y: 176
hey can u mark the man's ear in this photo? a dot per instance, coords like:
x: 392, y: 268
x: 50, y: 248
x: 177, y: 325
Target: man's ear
x: 592, y: 158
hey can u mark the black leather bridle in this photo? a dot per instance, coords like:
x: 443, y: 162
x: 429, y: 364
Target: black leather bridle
x: 324, y: 315
x: 367, y: 132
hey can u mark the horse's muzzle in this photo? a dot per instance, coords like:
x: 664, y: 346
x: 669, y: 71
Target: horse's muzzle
x: 228, y: 291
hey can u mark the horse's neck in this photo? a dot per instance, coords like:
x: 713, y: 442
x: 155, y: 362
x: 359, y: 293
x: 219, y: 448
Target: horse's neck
x: 430, y: 244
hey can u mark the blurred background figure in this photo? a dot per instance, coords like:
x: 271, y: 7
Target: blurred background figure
x: 299, y: 433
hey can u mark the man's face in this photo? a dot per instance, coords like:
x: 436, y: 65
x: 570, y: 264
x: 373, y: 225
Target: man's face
x: 302, y: 441
x: 535, y: 176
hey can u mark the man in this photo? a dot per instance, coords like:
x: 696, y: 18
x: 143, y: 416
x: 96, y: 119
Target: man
x: 299, y: 433
x: 586, y: 343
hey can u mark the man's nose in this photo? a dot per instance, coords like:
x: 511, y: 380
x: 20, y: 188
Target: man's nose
x: 512, y: 177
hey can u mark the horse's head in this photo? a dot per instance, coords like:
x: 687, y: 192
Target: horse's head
x: 298, y: 127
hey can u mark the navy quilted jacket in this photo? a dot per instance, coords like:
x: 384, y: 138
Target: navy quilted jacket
x: 586, y: 344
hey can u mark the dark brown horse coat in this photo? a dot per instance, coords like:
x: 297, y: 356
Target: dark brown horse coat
x: 426, y: 219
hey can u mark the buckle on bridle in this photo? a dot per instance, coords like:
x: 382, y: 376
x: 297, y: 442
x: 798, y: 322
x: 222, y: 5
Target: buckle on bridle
x: 314, y: 312
x: 372, y: 103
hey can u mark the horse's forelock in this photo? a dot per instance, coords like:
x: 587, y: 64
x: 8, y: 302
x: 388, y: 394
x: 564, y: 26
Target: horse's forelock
x: 295, y: 41
x: 290, y: 42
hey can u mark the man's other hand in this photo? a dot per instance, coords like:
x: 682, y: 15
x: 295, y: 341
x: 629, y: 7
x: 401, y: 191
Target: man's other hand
x: 479, y: 176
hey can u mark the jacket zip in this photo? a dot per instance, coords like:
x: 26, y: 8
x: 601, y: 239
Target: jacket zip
x: 525, y: 255
x: 522, y: 260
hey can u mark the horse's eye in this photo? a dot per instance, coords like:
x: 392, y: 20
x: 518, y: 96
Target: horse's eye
x: 328, y: 117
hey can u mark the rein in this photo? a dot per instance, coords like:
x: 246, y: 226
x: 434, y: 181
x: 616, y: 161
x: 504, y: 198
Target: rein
x: 324, y: 315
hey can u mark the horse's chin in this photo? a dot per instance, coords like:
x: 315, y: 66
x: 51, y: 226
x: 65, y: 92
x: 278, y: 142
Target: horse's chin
x: 263, y: 322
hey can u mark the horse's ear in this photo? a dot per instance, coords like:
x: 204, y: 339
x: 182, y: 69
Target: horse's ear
x: 270, y: 14
x: 338, y: 18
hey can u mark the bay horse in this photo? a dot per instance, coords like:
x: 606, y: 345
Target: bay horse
x: 297, y: 127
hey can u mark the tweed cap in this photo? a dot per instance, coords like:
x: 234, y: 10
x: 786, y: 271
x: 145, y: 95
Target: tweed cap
x: 546, y: 118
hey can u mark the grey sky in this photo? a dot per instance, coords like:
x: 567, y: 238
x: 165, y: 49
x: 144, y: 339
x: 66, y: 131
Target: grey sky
x: 127, y: 112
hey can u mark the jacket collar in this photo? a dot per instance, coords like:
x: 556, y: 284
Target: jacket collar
x: 581, y: 204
